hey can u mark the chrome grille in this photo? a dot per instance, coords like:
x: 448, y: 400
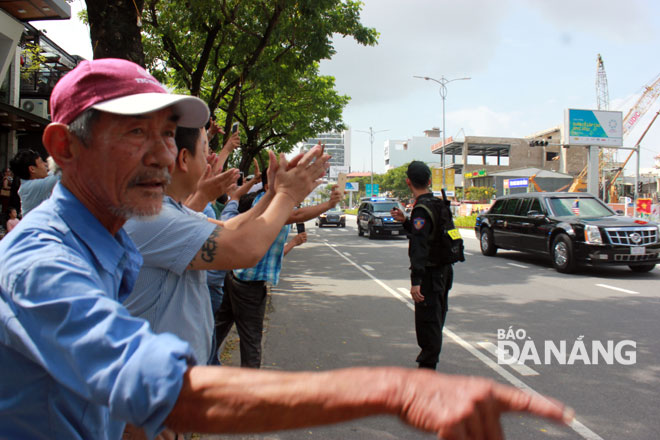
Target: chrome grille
x: 632, y: 236
x: 626, y: 257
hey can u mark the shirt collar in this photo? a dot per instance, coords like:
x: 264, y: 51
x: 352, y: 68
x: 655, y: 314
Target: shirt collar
x: 109, y: 250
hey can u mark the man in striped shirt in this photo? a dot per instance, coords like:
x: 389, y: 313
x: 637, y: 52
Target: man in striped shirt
x: 244, y: 302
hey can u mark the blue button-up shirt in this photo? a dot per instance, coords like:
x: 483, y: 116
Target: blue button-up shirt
x: 74, y: 363
x: 269, y: 267
x: 168, y: 295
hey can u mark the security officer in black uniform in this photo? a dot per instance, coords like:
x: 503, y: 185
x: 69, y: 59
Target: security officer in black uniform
x: 430, y: 274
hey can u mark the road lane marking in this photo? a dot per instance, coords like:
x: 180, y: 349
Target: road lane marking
x: 467, y: 253
x: 379, y: 282
x: 578, y: 427
x: 522, y: 369
x: 403, y: 290
x: 366, y: 266
x: 632, y: 292
x: 517, y: 265
x: 347, y: 254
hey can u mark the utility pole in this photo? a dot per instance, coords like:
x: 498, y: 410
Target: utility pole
x: 443, y: 93
x: 371, y: 134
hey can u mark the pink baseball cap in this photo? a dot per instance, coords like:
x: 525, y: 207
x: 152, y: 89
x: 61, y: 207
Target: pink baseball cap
x: 121, y: 87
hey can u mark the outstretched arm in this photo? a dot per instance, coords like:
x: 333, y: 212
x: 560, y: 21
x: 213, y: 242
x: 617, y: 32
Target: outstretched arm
x: 234, y: 400
x: 244, y: 244
x: 309, y: 212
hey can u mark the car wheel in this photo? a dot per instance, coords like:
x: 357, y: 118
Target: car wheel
x: 562, y: 254
x: 642, y: 268
x: 360, y: 231
x: 371, y: 234
x: 487, y: 243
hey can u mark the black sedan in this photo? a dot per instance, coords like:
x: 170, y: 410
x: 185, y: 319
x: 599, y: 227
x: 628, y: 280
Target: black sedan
x: 573, y: 229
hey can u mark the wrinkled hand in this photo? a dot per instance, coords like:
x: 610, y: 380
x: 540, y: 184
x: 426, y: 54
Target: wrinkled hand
x: 416, y: 293
x: 300, y: 239
x: 461, y: 408
x: 300, y: 176
x: 212, y: 185
x: 398, y: 215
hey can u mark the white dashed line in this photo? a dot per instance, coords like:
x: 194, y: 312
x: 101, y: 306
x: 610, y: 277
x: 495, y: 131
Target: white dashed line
x: 403, y: 290
x: 522, y: 369
x: 366, y: 266
x: 632, y: 292
x: 347, y: 254
x: 517, y: 265
x: 467, y: 253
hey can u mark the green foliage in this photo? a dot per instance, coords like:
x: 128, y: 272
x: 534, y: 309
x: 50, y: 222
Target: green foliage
x: 466, y: 222
x: 479, y: 193
x: 392, y: 183
x: 33, y: 59
x: 254, y: 62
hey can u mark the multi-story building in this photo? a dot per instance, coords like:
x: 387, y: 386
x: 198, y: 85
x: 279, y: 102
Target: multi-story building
x: 30, y: 65
x: 337, y: 145
x: 399, y: 152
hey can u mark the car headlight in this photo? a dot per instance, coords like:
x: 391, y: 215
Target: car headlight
x: 378, y: 222
x: 322, y: 216
x: 592, y: 235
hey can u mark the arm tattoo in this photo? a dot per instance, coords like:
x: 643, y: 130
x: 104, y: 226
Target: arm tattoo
x: 209, y: 249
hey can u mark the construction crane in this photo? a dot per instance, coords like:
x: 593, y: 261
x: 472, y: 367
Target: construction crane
x: 602, y: 92
x: 649, y: 95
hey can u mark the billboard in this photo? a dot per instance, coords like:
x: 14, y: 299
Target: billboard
x: 593, y: 127
x: 436, y: 179
x: 522, y: 182
x: 336, y: 169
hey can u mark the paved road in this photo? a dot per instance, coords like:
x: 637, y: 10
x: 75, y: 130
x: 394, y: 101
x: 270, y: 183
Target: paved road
x: 343, y: 301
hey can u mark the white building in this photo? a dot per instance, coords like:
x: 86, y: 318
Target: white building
x: 399, y: 152
x: 337, y: 145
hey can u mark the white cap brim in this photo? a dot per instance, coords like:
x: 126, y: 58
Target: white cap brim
x: 192, y: 111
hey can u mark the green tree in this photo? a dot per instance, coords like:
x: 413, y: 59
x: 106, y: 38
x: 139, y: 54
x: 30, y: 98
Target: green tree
x: 394, y: 181
x: 479, y: 193
x: 247, y: 58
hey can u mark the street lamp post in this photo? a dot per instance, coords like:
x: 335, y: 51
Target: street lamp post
x: 443, y: 93
x: 371, y: 133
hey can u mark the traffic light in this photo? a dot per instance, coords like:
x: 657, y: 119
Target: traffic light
x: 538, y: 143
x: 639, y: 186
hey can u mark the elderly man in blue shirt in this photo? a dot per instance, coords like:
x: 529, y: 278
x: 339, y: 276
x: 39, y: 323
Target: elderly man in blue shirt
x: 75, y: 364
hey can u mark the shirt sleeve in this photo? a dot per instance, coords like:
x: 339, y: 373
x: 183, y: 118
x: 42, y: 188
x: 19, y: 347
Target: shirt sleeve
x: 91, y: 345
x: 230, y: 211
x: 171, y: 240
x: 421, y: 226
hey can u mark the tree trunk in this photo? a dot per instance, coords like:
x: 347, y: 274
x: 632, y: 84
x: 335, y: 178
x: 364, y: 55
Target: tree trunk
x: 115, y: 29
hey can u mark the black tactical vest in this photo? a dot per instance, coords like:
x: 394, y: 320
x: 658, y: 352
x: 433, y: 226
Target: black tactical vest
x: 446, y: 242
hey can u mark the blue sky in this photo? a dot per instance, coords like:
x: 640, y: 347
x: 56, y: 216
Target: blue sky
x: 528, y: 60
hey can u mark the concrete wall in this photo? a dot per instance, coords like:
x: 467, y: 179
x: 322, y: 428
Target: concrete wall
x: 418, y: 148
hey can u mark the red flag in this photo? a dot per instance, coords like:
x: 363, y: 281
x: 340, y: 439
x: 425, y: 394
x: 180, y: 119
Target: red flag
x: 644, y: 205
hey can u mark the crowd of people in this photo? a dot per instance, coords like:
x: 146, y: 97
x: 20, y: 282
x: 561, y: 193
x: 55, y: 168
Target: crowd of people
x: 111, y: 285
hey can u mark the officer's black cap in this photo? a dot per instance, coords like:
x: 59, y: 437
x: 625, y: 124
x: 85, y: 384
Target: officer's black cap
x: 418, y: 173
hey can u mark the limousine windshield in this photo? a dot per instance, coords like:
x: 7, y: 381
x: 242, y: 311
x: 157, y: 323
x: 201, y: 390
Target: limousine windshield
x: 578, y: 207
